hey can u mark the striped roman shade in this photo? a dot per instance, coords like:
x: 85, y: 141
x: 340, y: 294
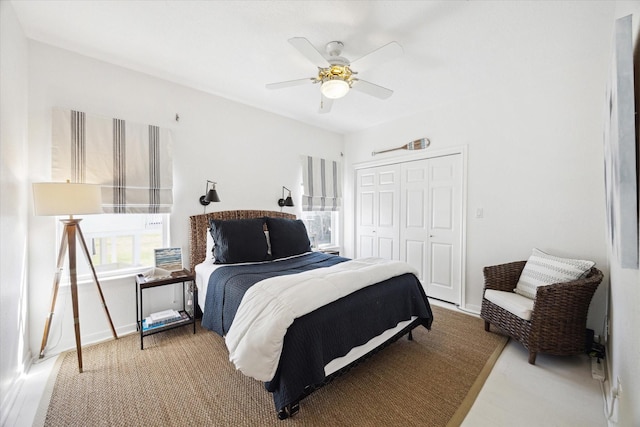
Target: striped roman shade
x: 132, y: 162
x: 322, y: 182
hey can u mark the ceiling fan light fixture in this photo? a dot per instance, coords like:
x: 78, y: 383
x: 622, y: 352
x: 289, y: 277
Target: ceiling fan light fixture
x: 334, y: 88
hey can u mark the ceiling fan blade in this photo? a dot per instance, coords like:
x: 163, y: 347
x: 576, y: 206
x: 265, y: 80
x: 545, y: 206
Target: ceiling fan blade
x: 371, y: 89
x: 382, y: 54
x: 290, y: 83
x: 325, y: 104
x: 311, y: 53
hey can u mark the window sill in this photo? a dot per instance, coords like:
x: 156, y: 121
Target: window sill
x: 331, y: 250
x: 108, y: 276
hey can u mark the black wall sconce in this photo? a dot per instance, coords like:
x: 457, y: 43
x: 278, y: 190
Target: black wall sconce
x: 210, y: 195
x: 288, y: 201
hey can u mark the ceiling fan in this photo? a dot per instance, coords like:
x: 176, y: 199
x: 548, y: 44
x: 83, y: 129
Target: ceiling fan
x: 335, y: 73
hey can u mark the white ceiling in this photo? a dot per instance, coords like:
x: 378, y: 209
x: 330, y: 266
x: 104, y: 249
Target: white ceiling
x: 233, y: 48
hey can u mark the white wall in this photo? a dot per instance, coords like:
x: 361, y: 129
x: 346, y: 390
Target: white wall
x: 624, y: 303
x: 535, y: 154
x: 13, y: 206
x: 535, y: 166
x: 250, y: 153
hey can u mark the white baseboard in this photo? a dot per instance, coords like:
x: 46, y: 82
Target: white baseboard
x: 9, y: 400
x: 97, y: 338
x: 475, y: 309
x: 106, y: 335
x: 10, y: 403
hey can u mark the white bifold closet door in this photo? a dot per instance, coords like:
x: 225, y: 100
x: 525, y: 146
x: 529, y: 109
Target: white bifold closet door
x: 378, y: 212
x: 412, y: 211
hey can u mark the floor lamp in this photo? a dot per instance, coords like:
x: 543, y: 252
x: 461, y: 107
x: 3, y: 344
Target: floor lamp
x: 57, y: 199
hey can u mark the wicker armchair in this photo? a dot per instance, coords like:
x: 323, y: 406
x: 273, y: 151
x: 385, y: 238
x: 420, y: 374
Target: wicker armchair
x: 558, y: 321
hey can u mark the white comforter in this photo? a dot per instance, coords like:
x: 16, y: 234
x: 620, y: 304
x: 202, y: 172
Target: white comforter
x: 270, y: 306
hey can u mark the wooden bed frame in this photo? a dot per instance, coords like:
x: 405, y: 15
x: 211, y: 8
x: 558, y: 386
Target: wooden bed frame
x: 200, y: 223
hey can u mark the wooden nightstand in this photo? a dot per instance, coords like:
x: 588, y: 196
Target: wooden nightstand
x: 188, y: 313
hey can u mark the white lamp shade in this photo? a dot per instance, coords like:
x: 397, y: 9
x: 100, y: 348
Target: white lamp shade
x: 64, y: 198
x: 334, y: 89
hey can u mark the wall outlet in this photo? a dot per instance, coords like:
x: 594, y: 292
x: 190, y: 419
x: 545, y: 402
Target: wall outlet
x: 597, y: 369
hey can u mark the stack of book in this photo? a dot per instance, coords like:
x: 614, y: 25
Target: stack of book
x: 162, y: 318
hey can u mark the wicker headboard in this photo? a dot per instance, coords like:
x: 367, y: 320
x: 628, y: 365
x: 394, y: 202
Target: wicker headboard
x: 200, y: 223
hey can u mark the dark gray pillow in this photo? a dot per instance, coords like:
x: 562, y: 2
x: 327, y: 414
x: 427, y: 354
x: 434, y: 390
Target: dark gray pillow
x: 239, y: 240
x: 288, y: 237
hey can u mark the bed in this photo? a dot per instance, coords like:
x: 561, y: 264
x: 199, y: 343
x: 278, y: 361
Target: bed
x: 338, y: 312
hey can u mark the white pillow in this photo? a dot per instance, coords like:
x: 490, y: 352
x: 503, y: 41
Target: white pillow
x: 209, y: 254
x: 543, y: 269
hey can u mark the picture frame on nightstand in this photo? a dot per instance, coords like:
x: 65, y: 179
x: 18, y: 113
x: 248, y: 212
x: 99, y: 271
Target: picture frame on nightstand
x: 169, y: 259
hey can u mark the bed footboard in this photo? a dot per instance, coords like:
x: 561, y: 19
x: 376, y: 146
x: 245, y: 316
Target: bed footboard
x: 294, y: 407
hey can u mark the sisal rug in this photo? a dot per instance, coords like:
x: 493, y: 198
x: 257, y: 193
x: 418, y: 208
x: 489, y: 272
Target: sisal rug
x: 186, y: 379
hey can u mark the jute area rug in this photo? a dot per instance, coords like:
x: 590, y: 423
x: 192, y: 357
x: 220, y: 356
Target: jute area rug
x: 186, y: 379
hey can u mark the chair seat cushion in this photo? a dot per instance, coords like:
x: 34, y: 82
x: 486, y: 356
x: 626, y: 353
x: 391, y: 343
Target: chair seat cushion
x: 512, y: 302
x: 543, y: 269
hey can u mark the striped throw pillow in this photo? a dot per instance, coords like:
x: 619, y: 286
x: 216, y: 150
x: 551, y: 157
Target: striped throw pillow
x: 543, y: 269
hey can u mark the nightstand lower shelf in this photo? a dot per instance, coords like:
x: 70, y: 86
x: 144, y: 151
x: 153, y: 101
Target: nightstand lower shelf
x: 187, y: 317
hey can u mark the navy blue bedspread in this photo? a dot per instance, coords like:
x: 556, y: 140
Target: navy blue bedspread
x: 228, y: 284
x: 331, y: 331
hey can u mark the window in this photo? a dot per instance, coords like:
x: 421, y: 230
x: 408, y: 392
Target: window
x: 322, y: 227
x: 321, y: 200
x: 121, y: 243
x: 137, y: 186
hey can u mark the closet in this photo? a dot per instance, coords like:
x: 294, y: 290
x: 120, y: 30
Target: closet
x: 412, y: 211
